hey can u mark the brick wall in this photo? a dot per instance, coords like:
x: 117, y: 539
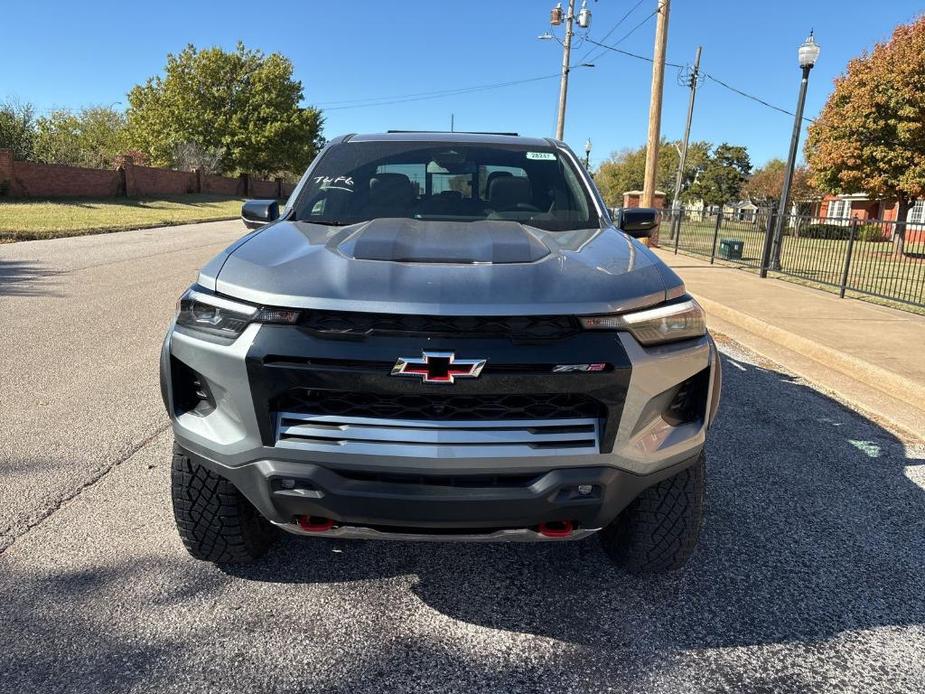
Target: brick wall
x: 219, y: 185
x: 21, y: 179
x: 633, y: 198
x: 262, y: 189
x: 31, y: 180
x: 145, y: 181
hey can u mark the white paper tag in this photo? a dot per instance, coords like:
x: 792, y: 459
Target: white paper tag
x: 541, y: 156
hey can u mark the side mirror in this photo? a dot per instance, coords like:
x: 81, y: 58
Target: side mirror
x: 638, y: 222
x: 256, y: 213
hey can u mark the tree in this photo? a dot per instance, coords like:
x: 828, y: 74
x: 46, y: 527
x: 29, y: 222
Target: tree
x: 625, y: 170
x: 17, y: 128
x: 765, y: 185
x: 242, y: 103
x: 870, y: 136
x: 723, y: 176
x: 189, y: 156
x: 92, y: 137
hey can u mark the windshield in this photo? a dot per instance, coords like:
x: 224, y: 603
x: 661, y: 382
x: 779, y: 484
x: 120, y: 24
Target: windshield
x: 359, y: 181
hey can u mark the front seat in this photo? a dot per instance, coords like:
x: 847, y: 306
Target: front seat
x: 391, y: 195
x: 511, y: 193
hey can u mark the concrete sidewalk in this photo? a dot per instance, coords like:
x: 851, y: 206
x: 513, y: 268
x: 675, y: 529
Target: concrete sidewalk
x: 871, y: 356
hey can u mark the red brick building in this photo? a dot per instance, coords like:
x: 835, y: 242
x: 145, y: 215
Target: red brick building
x: 840, y: 208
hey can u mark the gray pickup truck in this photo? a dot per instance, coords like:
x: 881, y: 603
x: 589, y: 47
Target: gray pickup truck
x: 441, y: 336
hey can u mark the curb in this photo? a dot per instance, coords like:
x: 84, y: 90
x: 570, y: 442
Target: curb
x: 883, y: 380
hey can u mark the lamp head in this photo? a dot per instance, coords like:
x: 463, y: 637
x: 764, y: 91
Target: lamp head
x: 809, y: 52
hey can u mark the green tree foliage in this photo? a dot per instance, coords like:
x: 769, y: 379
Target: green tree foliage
x: 242, y: 103
x: 723, y: 175
x: 92, y: 137
x: 870, y: 136
x: 17, y: 128
x: 625, y: 170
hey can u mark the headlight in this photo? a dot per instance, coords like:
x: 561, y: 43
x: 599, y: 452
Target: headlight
x: 221, y: 317
x: 655, y: 326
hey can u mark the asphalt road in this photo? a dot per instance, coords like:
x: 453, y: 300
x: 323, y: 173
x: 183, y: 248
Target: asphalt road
x: 810, y: 575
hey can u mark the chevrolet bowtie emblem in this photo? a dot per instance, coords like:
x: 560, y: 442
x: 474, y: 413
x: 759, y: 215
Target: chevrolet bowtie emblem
x: 438, y: 367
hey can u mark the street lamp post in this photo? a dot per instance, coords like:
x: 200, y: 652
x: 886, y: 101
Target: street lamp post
x: 809, y: 54
x: 588, y: 154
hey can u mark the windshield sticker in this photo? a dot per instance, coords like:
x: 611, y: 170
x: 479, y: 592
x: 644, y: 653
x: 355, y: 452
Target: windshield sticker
x: 328, y: 182
x: 541, y: 156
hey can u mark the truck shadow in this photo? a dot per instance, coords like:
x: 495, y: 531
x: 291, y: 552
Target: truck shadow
x: 812, y: 528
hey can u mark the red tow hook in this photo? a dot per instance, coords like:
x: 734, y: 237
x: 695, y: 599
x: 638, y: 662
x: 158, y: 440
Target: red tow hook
x: 556, y: 528
x: 315, y: 524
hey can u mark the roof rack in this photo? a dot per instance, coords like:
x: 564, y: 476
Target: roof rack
x: 454, y: 132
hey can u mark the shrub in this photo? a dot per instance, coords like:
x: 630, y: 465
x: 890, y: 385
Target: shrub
x: 871, y: 232
x: 825, y: 231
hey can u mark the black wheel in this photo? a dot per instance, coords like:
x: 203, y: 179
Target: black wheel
x: 215, y: 521
x: 659, y: 530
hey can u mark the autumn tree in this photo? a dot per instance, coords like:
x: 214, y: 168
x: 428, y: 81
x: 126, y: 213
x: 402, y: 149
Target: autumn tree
x: 765, y: 185
x: 241, y: 103
x: 870, y: 136
x: 91, y: 137
x: 625, y: 170
x: 723, y: 175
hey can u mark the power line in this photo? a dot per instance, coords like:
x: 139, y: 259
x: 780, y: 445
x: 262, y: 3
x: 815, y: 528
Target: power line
x: 421, y: 96
x: 753, y: 97
x: 631, y: 54
x: 706, y: 75
x: 612, y: 29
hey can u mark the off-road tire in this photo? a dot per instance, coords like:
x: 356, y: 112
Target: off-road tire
x: 658, y: 531
x: 215, y: 521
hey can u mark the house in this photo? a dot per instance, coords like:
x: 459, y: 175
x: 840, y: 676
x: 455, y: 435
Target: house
x: 742, y: 211
x: 839, y: 209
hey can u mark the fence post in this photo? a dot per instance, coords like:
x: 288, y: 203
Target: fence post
x: 844, y: 273
x: 766, y: 249
x: 676, y: 227
x: 719, y: 222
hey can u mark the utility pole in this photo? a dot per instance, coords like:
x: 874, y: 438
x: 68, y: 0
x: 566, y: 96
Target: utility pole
x: 563, y: 80
x: 675, y: 200
x: 655, y: 108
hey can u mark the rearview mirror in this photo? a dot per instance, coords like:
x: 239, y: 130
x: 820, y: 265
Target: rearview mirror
x: 638, y: 222
x: 256, y: 213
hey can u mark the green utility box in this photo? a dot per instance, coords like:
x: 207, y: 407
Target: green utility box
x: 731, y: 249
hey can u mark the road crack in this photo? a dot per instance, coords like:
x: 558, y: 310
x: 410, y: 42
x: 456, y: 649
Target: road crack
x: 9, y: 534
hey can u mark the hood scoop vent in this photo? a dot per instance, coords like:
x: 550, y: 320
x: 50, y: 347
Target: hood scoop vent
x: 419, y: 241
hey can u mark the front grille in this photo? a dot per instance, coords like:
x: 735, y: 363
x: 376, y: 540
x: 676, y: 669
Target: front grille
x: 435, y: 439
x: 437, y: 407
x: 524, y: 328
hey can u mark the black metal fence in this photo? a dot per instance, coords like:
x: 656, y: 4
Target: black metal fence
x: 846, y: 254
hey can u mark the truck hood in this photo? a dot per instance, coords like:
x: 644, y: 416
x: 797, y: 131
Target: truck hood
x: 454, y: 268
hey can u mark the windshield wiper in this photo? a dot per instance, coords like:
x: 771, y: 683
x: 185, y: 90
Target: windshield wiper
x: 327, y: 222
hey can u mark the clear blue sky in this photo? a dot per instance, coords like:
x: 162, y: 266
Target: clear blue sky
x: 77, y: 54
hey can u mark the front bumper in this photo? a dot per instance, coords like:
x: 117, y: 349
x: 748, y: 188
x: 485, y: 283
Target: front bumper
x: 437, y: 506
x: 433, y: 487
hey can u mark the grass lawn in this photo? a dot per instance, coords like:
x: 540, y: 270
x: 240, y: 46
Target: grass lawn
x: 874, y: 269
x: 22, y: 220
